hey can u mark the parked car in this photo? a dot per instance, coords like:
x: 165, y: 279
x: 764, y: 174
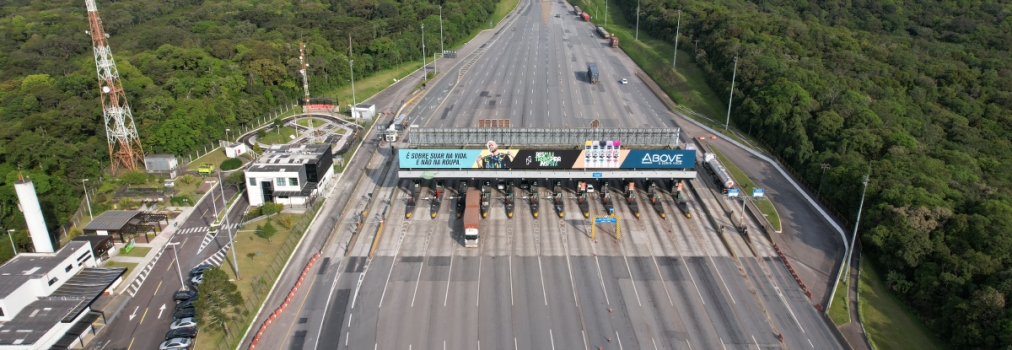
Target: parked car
x: 199, y: 269
x: 175, y: 344
x: 186, y: 332
x: 183, y: 323
x: 196, y: 280
x: 184, y: 313
x: 186, y: 304
x: 184, y: 295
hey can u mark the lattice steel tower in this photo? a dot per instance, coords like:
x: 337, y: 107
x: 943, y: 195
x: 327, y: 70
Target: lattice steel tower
x: 124, y: 144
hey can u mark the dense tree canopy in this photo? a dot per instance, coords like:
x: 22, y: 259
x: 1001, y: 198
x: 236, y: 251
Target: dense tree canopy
x: 920, y: 91
x: 191, y: 69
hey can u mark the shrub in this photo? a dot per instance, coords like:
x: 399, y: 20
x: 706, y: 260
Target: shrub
x: 268, y: 209
x: 134, y: 178
x: 231, y: 164
x: 285, y: 221
x: 187, y: 179
x: 181, y: 200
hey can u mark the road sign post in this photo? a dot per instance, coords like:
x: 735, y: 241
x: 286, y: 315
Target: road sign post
x: 605, y: 220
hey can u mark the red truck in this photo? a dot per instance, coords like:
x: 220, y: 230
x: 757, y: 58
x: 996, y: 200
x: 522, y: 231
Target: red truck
x: 472, y: 215
x: 614, y: 41
x: 585, y: 16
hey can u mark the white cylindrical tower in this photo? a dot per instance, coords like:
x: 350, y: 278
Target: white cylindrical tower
x: 33, y: 215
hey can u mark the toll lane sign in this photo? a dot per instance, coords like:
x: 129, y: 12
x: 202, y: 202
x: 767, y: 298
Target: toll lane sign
x: 605, y: 220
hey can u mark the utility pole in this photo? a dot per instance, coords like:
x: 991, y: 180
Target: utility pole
x: 678, y: 27
x: 86, y: 198
x: 235, y: 263
x: 729, y: 99
x: 850, y: 249
x: 637, y: 20
x: 178, y: 269
x: 824, y: 167
x: 440, y: 31
x: 351, y: 65
x: 425, y: 70
x: 605, y: 13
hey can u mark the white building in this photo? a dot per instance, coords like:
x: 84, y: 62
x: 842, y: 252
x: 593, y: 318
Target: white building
x: 43, y: 296
x: 289, y: 174
x: 363, y: 111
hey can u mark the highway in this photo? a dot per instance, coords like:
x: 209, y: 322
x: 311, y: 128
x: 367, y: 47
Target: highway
x: 142, y: 324
x: 543, y: 283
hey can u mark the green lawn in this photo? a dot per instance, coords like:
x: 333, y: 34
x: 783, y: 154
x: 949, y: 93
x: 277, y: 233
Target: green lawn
x: 373, y: 84
x: 501, y: 9
x: 138, y: 252
x: 264, y: 251
x: 686, y: 86
x: 278, y: 136
x: 890, y: 324
x: 765, y: 205
x: 130, y: 266
x: 214, y: 157
x: 305, y: 122
x: 840, y: 311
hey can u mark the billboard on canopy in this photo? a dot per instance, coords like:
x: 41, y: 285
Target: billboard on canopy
x: 491, y: 157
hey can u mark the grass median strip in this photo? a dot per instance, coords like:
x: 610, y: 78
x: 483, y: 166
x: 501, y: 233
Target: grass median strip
x: 840, y: 311
x: 765, y: 206
x: 889, y: 323
x: 130, y: 266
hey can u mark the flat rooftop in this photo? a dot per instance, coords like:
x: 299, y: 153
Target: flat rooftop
x: 113, y: 220
x: 274, y: 168
x: 27, y: 266
x: 37, y: 319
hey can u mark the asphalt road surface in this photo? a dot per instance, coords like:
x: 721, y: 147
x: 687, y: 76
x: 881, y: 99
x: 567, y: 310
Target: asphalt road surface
x: 142, y: 324
x: 542, y: 283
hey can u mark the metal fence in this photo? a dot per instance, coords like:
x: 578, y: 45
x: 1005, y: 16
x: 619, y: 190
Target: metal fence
x: 263, y: 282
x: 539, y: 137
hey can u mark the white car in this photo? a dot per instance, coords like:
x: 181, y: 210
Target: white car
x: 625, y: 81
x: 183, y: 323
x: 175, y: 343
x: 590, y: 188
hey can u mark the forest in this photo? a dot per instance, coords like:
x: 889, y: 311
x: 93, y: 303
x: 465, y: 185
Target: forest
x: 191, y: 69
x: 918, y: 94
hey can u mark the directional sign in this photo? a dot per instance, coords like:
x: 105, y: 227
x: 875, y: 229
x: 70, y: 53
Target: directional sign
x: 605, y: 220
x: 597, y: 175
x: 734, y: 192
x: 758, y: 192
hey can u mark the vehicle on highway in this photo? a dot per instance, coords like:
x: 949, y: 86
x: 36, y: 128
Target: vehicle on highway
x: 175, y: 344
x: 590, y: 188
x: 186, y: 332
x: 557, y: 15
x: 183, y: 323
x: 592, y: 74
x: 185, y: 295
x: 199, y: 269
x: 625, y: 81
x: 196, y: 280
x: 184, y: 313
x: 471, y: 218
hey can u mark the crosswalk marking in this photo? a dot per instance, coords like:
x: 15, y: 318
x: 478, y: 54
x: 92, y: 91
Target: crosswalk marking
x: 219, y: 256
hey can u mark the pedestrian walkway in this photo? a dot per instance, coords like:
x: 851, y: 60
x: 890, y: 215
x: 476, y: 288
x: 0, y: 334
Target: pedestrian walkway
x: 218, y: 256
x: 853, y: 330
x: 136, y: 278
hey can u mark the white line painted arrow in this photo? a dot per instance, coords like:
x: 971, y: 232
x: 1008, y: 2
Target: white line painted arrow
x: 160, y: 310
x: 135, y: 313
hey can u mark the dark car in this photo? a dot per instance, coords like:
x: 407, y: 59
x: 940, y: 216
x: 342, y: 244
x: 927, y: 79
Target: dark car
x: 199, y: 269
x: 184, y: 295
x: 186, y: 304
x: 187, y: 332
x: 184, y: 313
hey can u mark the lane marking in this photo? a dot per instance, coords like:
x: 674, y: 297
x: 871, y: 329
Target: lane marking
x: 631, y: 281
x: 449, y: 276
x: 620, y: 341
x: 552, y: 338
x: 511, y: 280
x: 601, y: 276
x: 418, y: 281
x: 131, y: 343
x: 142, y: 316
x: 477, y: 294
x: 543, y: 292
x: 157, y: 288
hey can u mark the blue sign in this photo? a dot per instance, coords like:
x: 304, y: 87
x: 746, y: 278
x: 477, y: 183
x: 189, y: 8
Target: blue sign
x: 758, y: 192
x: 438, y: 158
x: 660, y: 159
x: 733, y: 192
x: 597, y: 174
x: 605, y: 220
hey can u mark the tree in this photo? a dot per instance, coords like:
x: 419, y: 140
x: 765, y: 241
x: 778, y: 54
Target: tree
x: 237, y: 179
x: 267, y: 231
x: 251, y: 255
x: 219, y: 300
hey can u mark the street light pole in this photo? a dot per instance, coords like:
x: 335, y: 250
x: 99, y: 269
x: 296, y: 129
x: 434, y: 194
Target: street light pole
x: 425, y: 70
x: 178, y: 269
x: 87, y: 199
x: 351, y: 64
x: 729, y: 99
x: 678, y: 27
x: 824, y: 167
x: 10, y: 234
x: 637, y: 20
x: 853, y: 237
x: 605, y: 13
x: 440, y: 30
x: 226, y: 133
x: 235, y: 263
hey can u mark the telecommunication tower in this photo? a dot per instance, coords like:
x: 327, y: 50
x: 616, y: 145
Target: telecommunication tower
x: 305, y: 87
x: 124, y: 145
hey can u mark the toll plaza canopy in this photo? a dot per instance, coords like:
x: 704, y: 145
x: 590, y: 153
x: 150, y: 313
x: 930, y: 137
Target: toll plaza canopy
x: 546, y: 153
